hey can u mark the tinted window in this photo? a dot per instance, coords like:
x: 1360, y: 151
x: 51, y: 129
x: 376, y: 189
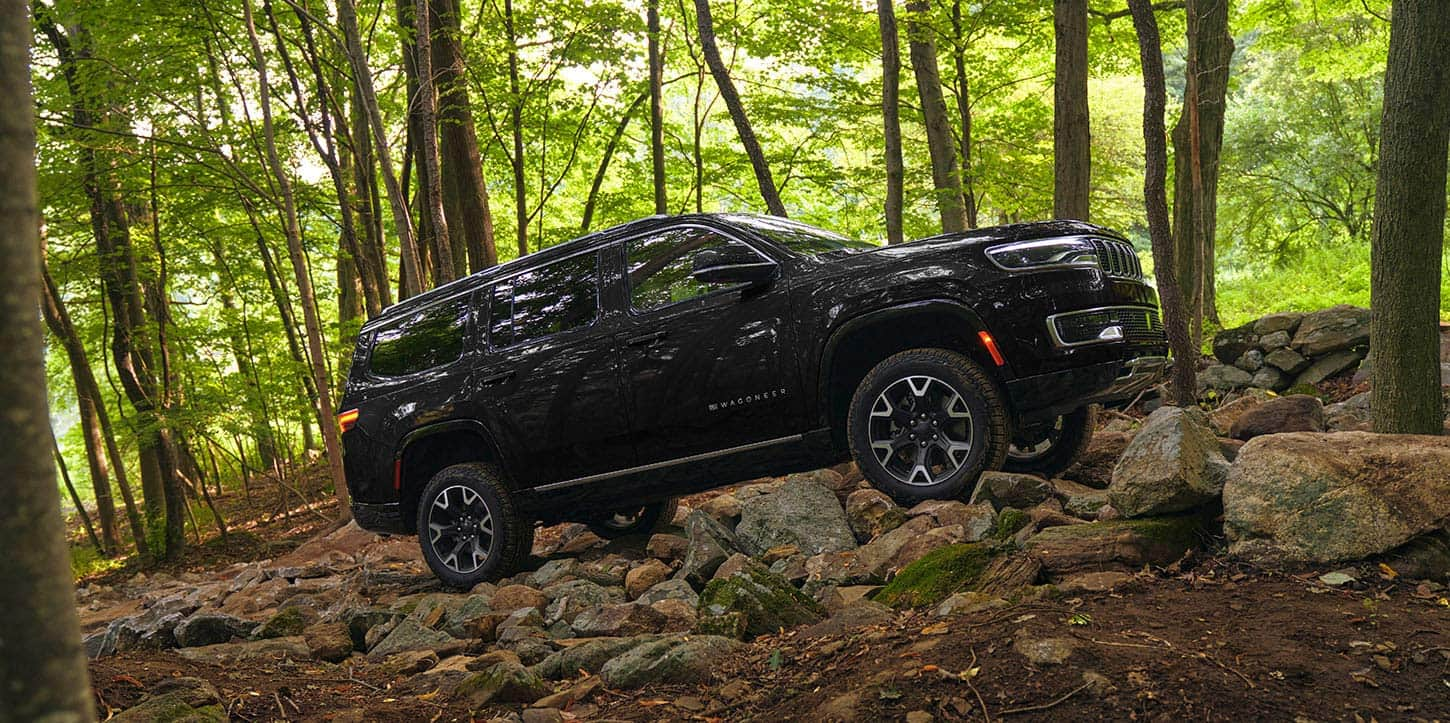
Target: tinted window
x: 425, y: 339
x: 800, y: 238
x: 659, y: 266
x: 561, y: 296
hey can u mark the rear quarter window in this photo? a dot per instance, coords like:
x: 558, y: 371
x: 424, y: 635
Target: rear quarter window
x: 428, y: 338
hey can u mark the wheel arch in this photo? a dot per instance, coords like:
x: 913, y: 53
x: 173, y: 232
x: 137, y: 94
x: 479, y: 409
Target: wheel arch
x: 429, y: 449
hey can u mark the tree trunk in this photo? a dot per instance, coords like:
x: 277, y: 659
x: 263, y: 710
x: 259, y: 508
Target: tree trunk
x: 1071, y: 142
x: 946, y: 178
x: 43, y: 666
x: 423, y: 116
x: 891, y: 117
x: 711, y: 51
x: 1155, y: 152
x: 592, y: 200
x: 75, y: 498
x: 964, y: 111
x: 1409, y: 222
x: 516, y: 127
x: 465, y: 192
x: 656, y: 107
x: 362, y: 75
x: 311, y: 319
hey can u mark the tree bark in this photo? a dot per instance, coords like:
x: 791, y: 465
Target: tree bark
x: 311, y: 319
x: 516, y: 128
x: 430, y: 183
x: 1409, y: 222
x: 964, y: 112
x: 706, y: 25
x: 1155, y: 152
x: 592, y: 200
x: 43, y: 669
x: 946, y: 178
x: 656, y: 107
x: 891, y: 117
x: 1071, y: 137
x: 465, y: 192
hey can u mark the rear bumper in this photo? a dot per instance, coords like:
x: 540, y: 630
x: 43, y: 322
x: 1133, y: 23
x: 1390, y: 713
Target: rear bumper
x: 1055, y: 393
x: 386, y: 517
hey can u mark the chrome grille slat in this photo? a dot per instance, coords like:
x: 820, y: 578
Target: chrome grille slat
x: 1118, y: 258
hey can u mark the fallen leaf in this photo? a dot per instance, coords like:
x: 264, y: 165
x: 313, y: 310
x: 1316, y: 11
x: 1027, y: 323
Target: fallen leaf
x: 1388, y: 572
x: 929, y: 668
x: 936, y: 629
x: 653, y: 703
x: 1335, y: 579
x: 1023, y: 618
x: 430, y: 696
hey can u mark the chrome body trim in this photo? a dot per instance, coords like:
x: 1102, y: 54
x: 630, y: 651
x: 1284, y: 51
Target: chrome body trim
x: 668, y: 463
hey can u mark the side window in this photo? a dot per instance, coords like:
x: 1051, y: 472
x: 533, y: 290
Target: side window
x: 659, y: 266
x: 561, y: 296
x: 425, y: 339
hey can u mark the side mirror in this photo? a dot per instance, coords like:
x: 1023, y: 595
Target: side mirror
x: 732, y: 265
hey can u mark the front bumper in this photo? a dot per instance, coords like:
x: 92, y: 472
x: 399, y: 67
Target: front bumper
x: 1055, y: 393
x: 385, y: 518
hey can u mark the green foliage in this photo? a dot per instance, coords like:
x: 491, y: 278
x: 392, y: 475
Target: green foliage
x: 937, y: 575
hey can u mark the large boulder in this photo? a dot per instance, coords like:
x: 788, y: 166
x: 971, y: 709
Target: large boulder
x: 1114, y: 544
x: 1230, y: 344
x: 766, y: 600
x: 1333, y: 329
x: 619, y: 620
x: 709, y: 544
x: 1173, y: 464
x: 674, y: 659
x: 1319, y: 498
x: 588, y: 656
x: 803, y: 512
x: 1223, y: 378
x: 1294, y: 413
x: 210, y: 628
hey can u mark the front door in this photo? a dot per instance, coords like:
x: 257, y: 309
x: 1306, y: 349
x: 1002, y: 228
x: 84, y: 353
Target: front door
x: 704, y: 364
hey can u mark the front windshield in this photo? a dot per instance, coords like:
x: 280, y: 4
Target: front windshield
x: 800, y: 238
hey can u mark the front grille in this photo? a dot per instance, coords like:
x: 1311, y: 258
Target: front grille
x: 1139, y: 325
x: 1118, y: 258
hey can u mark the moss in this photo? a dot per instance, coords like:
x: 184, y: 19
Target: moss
x: 172, y: 708
x: 727, y: 625
x: 1009, y: 521
x: 1308, y: 389
x: 767, y: 600
x: 1177, y: 531
x: 937, y: 575
x: 502, y: 683
x: 287, y: 621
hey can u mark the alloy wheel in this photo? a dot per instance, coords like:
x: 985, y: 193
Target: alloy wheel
x: 1027, y: 450
x: 460, y: 528
x: 921, y: 430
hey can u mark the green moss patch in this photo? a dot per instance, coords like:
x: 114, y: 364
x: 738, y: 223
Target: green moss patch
x: 1009, y: 522
x: 937, y: 575
x: 768, y: 601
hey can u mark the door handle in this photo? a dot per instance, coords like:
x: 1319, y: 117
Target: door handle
x: 499, y: 377
x: 646, y: 339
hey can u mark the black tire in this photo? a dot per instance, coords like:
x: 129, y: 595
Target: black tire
x: 473, y: 500
x: 643, y: 520
x: 971, y: 413
x: 1065, y: 439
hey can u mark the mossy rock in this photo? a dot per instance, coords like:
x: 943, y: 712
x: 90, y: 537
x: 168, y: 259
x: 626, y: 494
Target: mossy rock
x: 1308, y: 389
x: 726, y: 625
x: 502, y: 683
x: 767, y: 601
x: 1009, y: 522
x: 171, y: 708
x: 1116, y: 544
x: 937, y: 575
x: 286, y: 623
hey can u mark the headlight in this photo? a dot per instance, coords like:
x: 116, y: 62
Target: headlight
x: 1044, y: 253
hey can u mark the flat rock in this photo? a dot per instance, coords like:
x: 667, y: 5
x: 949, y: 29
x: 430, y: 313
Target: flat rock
x: 1124, y: 545
x: 1333, y: 329
x: 619, y: 620
x: 709, y: 544
x: 674, y: 659
x: 1294, y: 413
x: 293, y: 648
x: 1044, y: 651
x: 1283, y: 322
x: 1009, y: 489
x: 803, y: 512
x: 210, y: 628
x: 1328, y: 366
x: 976, y: 520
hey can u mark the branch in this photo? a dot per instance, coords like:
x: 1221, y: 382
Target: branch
x: 1109, y: 16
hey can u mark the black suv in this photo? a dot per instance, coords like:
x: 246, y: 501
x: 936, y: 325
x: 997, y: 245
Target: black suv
x: 599, y: 379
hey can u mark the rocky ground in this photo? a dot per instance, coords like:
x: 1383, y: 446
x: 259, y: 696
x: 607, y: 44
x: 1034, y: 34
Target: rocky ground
x: 1259, y: 560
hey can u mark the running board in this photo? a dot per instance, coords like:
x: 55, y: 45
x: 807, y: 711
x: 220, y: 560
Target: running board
x: 669, y: 463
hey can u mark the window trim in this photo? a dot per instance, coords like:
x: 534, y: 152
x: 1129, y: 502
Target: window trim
x: 599, y: 309
x: 623, y: 244
x: 470, y: 326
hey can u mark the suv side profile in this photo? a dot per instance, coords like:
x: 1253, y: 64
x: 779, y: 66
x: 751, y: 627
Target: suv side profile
x: 600, y: 379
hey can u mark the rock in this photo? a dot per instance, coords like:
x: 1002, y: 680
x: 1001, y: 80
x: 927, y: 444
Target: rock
x: 938, y: 574
x: 871, y: 512
x: 963, y: 603
x: 170, y: 707
x: 1281, y: 323
x: 505, y: 682
x: 1328, y: 366
x: 725, y: 508
x: 839, y: 484
x: 288, y: 621
x: 1351, y: 415
x: 1426, y: 557
x: 857, y: 615
x: 1008, y: 489
x: 840, y: 709
x: 1230, y: 344
x: 578, y: 692
x: 666, y: 547
x: 546, y: 714
x: 674, y: 659
x: 1222, y: 378
x: 475, y: 618
x: 330, y: 642
x: 1173, y: 464
x: 679, y: 615
x: 1230, y: 448
x: 195, y: 692
x: 778, y: 553
x: 733, y: 564
x: 709, y: 544
x: 570, y: 599
x: 1125, y: 545
x: 727, y: 625
x: 976, y: 520
x: 1006, y: 574
x: 644, y: 577
x: 1286, y: 360
x: 920, y: 716
x: 517, y: 597
x: 1273, y: 342
x: 553, y: 571
x: 1079, y: 500
x: 1318, y: 498
x: 1270, y: 378
x: 767, y: 601
x: 1250, y: 361
x: 588, y: 656
x: 231, y: 653
x: 803, y: 512
x: 1294, y: 413
x: 361, y: 620
x: 1044, y: 651
x: 409, y: 635
x: 669, y: 590
x: 620, y: 620
x: 204, y: 628
x: 1009, y: 522
x: 1333, y: 329
x: 1093, y: 581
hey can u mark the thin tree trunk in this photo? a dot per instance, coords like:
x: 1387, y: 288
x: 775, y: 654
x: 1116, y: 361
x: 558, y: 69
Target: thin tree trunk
x: 430, y: 184
x: 1409, y: 222
x: 711, y: 51
x: 516, y: 127
x: 946, y: 178
x: 465, y: 192
x: 1071, y: 139
x: 964, y: 111
x: 75, y: 498
x: 1155, y: 152
x: 369, y: 207
x: 311, y: 319
x: 656, y: 109
x: 891, y: 118
x: 43, y: 667
x: 592, y: 200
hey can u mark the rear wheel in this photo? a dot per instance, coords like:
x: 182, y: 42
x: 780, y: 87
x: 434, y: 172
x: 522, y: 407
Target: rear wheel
x: 468, y: 527
x: 1050, y: 449
x: 642, y: 520
x: 925, y: 423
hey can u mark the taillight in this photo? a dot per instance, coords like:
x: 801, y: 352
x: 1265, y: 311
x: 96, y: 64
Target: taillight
x: 991, y: 344
x: 347, y: 420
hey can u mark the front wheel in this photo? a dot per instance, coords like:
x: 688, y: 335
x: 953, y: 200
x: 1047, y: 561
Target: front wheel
x: 641, y: 520
x: 1050, y: 449
x: 925, y: 423
x: 468, y: 527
